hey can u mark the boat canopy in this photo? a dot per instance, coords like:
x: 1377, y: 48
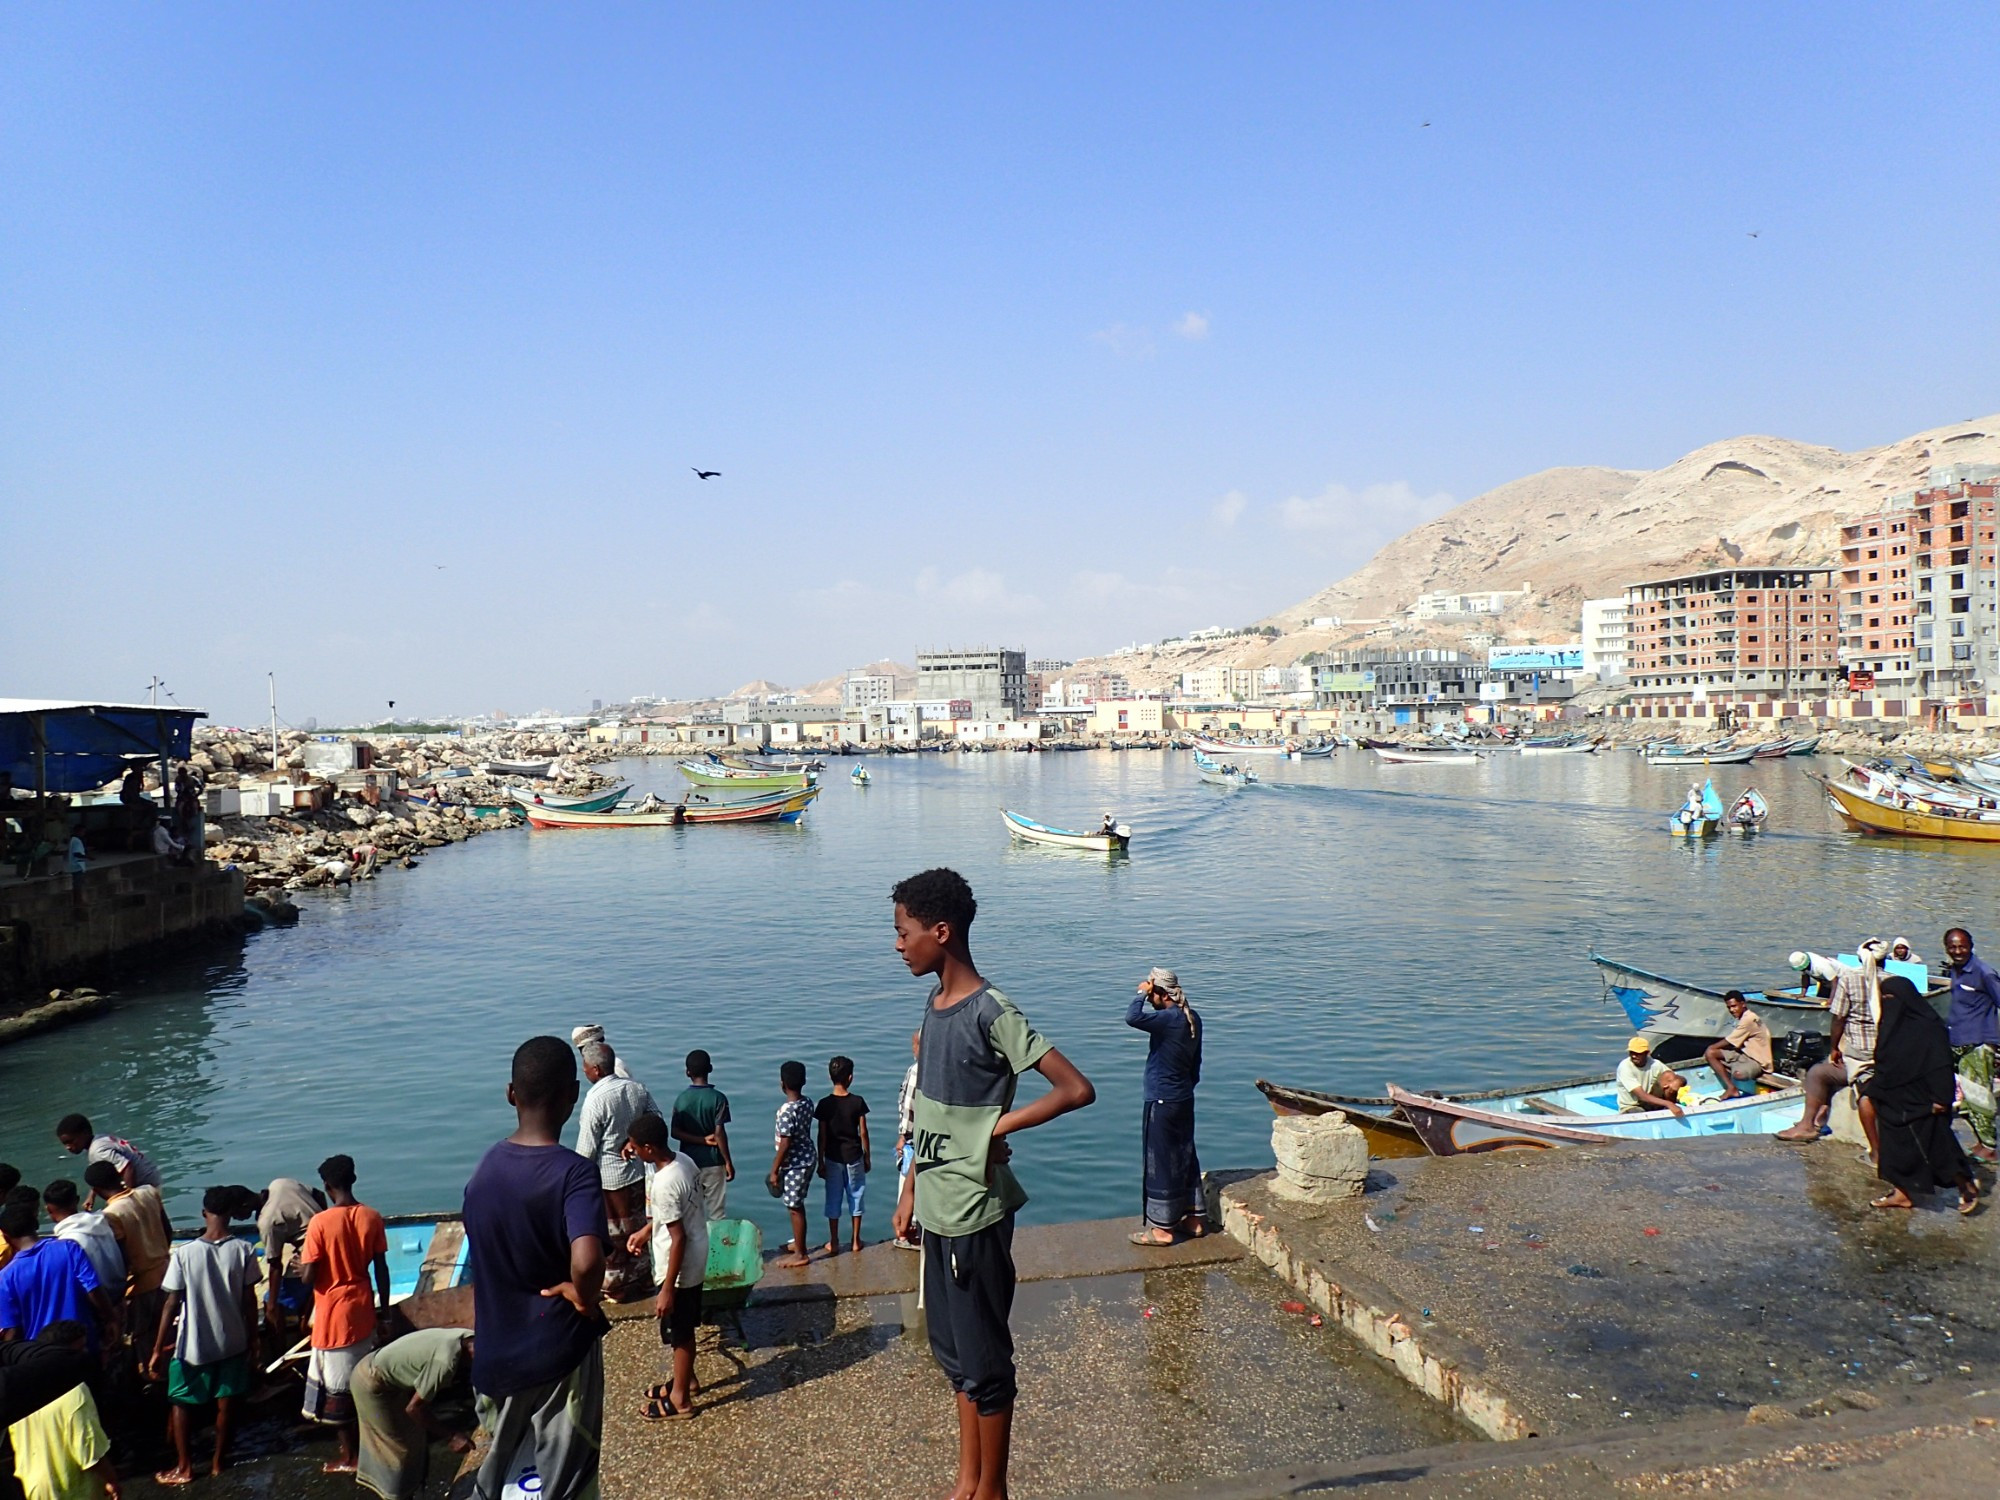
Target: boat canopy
x: 53, y: 745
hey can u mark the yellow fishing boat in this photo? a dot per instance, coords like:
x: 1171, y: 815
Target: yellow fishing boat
x: 1870, y: 814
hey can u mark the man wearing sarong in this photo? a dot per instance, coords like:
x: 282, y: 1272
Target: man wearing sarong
x: 535, y: 1227
x: 393, y: 1391
x: 1174, y: 1206
x: 1974, y: 1024
x: 608, y: 1111
x: 344, y: 1241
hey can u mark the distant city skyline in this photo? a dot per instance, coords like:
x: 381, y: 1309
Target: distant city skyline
x: 377, y: 348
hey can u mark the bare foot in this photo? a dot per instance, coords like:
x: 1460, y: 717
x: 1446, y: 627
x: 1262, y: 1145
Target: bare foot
x: 831, y: 1247
x: 170, y: 1477
x: 336, y: 1466
x: 794, y: 1263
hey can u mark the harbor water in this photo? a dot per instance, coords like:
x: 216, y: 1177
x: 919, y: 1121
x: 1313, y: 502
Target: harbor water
x: 1344, y: 924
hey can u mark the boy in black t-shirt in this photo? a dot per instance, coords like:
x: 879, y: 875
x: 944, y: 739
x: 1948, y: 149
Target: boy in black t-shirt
x: 843, y: 1152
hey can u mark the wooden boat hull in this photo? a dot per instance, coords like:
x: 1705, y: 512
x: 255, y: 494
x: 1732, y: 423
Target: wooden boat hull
x: 1714, y: 758
x: 745, y: 781
x: 1387, y: 1133
x: 1064, y: 838
x: 1700, y: 828
x: 781, y: 807
x: 1586, y: 747
x: 1223, y: 747
x: 1869, y: 814
x: 1453, y: 1127
x: 1427, y: 757
x: 1673, y: 1011
x: 595, y: 802
x: 534, y: 770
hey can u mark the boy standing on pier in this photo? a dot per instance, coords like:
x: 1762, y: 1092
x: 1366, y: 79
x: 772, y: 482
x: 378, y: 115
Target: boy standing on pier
x: 793, y: 1157
x: 535, y: 1226
x: 701, y: 1127
x: 344, y: 1242
x: 973, y: 1048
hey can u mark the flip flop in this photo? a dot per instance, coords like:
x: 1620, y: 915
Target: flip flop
x: 1968, y: 1206
x: 1887, y: 1202
x: 1145, y: 1237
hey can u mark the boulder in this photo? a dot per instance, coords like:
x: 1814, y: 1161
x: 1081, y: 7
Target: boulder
x: 1321, y: 1158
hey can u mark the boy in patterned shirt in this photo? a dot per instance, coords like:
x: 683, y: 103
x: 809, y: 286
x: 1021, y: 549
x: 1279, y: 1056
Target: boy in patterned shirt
x: 794, y: 1157
x: 973, y: 1048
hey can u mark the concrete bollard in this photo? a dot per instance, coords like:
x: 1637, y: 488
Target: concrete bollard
x: 1321, y: 1158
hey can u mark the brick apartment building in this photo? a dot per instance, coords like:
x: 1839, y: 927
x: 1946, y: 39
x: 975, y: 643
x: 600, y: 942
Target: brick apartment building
x: 1917, y: 591
x: 1742, y: 635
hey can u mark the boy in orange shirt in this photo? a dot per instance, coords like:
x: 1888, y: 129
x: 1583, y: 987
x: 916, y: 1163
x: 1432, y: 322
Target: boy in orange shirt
x: 343, y: 1241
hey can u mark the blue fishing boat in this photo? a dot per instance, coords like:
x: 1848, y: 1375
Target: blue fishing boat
x: 595, y: 802
x: 1585, y: 1112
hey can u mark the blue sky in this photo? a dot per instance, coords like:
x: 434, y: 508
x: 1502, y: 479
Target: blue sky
x: 373, y: 345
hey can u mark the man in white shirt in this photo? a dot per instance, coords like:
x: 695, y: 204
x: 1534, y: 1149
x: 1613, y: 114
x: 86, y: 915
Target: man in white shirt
x: 678, y: 1235
x: 91, y: 1233
x: 606, y: 1114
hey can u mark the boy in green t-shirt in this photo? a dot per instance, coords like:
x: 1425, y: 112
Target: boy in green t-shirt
x: 974, y: 1046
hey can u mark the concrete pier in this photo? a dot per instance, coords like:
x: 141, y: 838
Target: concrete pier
x: 1593, y: 1288
x: 132, y: 904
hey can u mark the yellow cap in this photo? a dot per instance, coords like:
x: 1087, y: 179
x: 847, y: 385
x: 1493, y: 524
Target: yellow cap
x: 1638, y: 1044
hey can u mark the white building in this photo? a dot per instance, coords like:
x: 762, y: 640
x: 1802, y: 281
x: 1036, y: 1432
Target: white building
x: 1282, y: 682
x: 1434, y: 606
x: 1604, y: 637
x: 1219, y: 684
x: 866, y: 689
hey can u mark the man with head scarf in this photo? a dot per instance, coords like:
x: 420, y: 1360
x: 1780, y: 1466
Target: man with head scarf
x: 1911, y: 1086
x: 1854, y: 1007
x: 1173, y: 1195
x: 579, y: 1035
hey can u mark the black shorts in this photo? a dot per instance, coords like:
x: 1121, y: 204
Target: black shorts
x: 677, y: 1327
x: 968, y: 1295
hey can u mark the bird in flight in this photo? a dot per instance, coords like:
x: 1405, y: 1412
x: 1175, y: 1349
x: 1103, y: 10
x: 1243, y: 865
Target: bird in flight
x: 1425, y: 126
x: 1752, y: 233
x: 438, y: 566
x: 708, y: 473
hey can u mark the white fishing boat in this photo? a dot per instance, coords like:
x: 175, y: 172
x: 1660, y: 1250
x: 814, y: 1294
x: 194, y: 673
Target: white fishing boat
x: 1406, y: 757
x: 1227, y: 747
x: 1113, y: 840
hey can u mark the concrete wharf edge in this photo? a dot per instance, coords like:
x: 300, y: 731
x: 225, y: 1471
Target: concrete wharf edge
x: 1042, y: 1252
x: 1434, y: 1362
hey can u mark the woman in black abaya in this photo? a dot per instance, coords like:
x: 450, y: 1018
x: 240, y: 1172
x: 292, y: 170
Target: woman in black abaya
x: 1912, y: 1088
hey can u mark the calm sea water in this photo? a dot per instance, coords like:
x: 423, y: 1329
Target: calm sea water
x: 1345, y: 924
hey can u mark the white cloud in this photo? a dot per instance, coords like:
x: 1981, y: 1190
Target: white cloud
x: 1192, y: 326
x: 1125, y: 341
x: 1374, y: 509
x: 1229, y: 509
x: 978, y: 589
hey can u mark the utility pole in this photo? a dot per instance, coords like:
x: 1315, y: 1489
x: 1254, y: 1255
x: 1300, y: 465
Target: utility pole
x: 274, y: 719
x: 153, y: 692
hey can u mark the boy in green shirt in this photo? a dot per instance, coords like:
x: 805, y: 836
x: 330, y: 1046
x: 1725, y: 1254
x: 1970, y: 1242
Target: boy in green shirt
x: 974, y: 1047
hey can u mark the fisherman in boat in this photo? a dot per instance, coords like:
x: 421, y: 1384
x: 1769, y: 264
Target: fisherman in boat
x: 1745, y: 1054
x: 1645, y: 1083
x: 1691, y: 811
x: 1109, y: 826
x: 1901, y: 951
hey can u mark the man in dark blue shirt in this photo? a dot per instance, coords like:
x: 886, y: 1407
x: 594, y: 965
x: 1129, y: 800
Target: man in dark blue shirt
x: 1174, y: 1206
x: 1974, y: 1023
x: 535, y: 1226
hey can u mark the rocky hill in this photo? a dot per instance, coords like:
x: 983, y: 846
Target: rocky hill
x: 1581, y: 533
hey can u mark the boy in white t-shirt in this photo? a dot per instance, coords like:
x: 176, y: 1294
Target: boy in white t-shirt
x: 678, y: 1234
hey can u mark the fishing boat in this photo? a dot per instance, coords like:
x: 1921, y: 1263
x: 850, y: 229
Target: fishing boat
x: 1115, y: 841
x: 1222, y: 772
x: 764, y: 764
x: 534, y: 770
x: 1311, y: 752
x: 426, y: 1252
x: 1776, y: 749
x: 1585, y: 1112
x: 1747, y: 813
x: 1387, y: 1132
x: 1866, y: 812
x: 1680, y: 1018
x: 1807, y: 746
x: 1406, y: 755
x: 1229, y: 747
x: 859, y: 776
x: 782, y: 806
x: 1562, y: 745
x: 1735, y: 755
x: 1700, y: 817
x: 595, y: 802
x: 740, y: 780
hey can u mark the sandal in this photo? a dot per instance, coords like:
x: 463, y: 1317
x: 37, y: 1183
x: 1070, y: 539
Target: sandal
x: 1888, y: 1201
x: 1968, y: 1204
x: 1146, y: 1237
x: 655, y: 1410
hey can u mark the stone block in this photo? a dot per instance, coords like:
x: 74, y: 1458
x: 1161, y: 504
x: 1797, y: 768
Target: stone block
x: 1321, y: 1158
